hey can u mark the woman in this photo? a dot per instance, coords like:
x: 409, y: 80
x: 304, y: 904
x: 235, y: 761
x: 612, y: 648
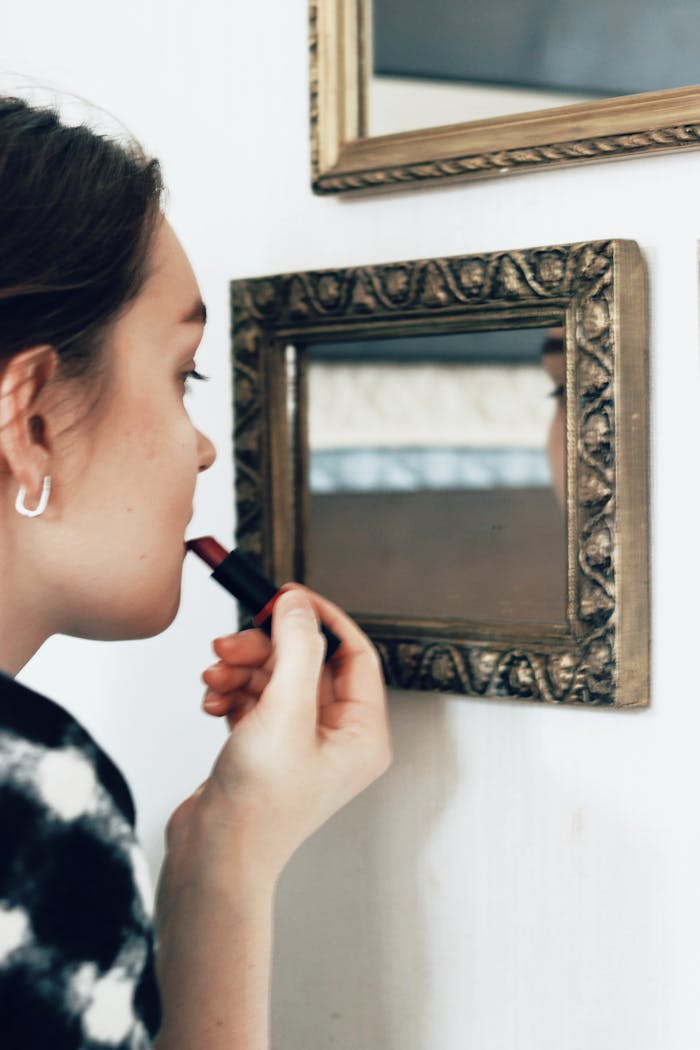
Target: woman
x: 100, y: 318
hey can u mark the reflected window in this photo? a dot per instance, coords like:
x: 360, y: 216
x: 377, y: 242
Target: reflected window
x: 434, y: 465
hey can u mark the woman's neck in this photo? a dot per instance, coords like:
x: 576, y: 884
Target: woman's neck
x: 17, y: 647
x: 23, y: 627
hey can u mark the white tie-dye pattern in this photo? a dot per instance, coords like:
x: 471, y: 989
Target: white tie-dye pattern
x: 66, y: 783
x: 79, y: 989
x: 142, y: 877
x: 140, y: 1039
x: 14, y: 930
x: 37, y: 770
x: 110, y: 1016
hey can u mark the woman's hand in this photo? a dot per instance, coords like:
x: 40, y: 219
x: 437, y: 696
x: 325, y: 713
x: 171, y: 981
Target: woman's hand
x: 305, y: 738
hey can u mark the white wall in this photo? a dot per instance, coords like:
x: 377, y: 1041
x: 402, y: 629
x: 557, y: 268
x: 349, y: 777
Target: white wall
x: 525, y: 878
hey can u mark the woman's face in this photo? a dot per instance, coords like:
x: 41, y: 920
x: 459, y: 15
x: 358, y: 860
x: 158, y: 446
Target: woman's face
x: 125, y: 477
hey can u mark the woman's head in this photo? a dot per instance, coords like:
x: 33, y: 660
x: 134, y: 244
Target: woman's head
x: 100, y: 317
x: 78, y: 214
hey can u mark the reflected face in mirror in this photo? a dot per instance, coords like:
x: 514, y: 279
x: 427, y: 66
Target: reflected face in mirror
x: 554, y: 364
x: 437, y: 468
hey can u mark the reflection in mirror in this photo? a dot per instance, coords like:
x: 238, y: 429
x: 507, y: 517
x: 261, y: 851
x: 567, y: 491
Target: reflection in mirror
x: 489, y: 60
x: 437, y: 468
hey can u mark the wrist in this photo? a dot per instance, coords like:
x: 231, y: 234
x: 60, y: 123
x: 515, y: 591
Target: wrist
x: 214, y: 849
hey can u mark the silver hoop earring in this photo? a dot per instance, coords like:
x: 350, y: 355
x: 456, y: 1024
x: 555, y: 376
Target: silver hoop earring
x: 41, y: 505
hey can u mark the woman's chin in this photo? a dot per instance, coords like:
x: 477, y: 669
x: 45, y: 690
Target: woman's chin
x: 159, y: 619
x: 139, y: 621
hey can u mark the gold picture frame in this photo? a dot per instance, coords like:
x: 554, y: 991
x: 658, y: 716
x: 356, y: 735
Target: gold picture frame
x: 600, y: 657
x: 345, y: 160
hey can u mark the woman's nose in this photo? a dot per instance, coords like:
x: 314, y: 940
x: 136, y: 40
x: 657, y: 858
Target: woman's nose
x: 207, y: 452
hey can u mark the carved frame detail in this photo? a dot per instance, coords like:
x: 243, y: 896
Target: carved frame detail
x: 601, y: 656
x: 344, y: 160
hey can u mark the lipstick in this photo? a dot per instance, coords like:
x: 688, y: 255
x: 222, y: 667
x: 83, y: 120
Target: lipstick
x: 236, y: 572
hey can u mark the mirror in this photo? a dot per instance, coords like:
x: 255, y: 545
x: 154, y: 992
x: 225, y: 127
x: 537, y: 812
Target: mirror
x: 437, y: 466
x: 396, y: 448
x: 492, y: 90
x: 485, y: 61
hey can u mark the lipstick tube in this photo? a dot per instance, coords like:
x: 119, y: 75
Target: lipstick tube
x: 236, y: 572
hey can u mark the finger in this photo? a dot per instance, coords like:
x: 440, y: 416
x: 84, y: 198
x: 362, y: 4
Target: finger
x: 326, y: 690
x: 251, y: 646
x: 237, y: 715
x: 223, y: 678
x: 298, y: 648
x: 358, y: 687
x: 355, y: 666
x: 355, y: 641
x: 218, y: 704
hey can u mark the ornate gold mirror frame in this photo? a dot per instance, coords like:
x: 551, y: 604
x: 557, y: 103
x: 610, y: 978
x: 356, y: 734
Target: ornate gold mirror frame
x: 345, y: 160
x: 600, y: 656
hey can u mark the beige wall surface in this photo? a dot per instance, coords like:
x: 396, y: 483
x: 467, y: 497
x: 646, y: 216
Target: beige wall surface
x: 524, y: 878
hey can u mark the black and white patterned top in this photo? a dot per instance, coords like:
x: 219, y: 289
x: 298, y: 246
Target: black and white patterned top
x: 76, y: 937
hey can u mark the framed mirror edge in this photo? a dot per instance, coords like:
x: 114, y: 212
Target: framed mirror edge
x: 601, y: 656
x: 344, y: 161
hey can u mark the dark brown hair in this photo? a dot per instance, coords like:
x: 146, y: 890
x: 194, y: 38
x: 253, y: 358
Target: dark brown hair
x: 77, y: 213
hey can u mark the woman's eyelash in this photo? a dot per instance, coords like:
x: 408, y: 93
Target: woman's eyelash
x: 558, y: 391
x: 193, y: 374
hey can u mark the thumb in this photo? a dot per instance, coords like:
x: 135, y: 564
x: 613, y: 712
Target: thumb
x: 298, y: 648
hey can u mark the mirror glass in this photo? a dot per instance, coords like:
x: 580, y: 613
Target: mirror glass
x: 478, y: 61
x: 437, y: 475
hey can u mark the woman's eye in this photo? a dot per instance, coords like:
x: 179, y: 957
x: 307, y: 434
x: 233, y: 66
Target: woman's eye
x: 192, y: 374
x: 558, y: 392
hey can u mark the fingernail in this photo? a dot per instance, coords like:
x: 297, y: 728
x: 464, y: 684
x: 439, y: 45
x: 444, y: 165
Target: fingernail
x: 295, y: 602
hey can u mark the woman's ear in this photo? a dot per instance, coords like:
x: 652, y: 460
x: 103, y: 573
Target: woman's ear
x: 24, y: 435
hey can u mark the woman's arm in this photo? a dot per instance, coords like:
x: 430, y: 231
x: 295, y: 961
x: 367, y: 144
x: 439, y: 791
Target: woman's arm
x: 214, y: 967
x: 305, y: 740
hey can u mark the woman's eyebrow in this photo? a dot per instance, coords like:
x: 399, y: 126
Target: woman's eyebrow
x: 198, y: 313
